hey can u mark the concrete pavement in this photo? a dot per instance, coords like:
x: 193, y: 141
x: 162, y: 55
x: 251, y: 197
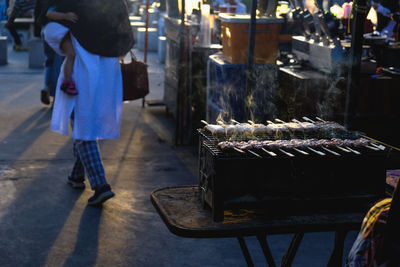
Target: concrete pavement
x: 44, y: 222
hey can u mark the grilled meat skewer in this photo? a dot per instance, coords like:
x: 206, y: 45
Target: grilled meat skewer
x: 298, y: 144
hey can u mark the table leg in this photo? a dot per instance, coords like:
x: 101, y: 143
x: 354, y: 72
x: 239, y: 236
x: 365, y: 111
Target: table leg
x: 262, y: 239
x: 337, y: 253
x: 245, y: 251
x: 287, y: 260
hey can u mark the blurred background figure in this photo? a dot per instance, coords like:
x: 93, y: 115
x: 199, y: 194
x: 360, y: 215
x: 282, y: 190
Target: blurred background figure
x: 240, y: 8
x: 387, y: 20
x: 53, y: 60
x: 19, y: 9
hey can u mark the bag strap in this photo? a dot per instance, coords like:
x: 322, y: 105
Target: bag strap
x: 133, y: 57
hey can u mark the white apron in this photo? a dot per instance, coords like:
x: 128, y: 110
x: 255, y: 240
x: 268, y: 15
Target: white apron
x: 98, y: 105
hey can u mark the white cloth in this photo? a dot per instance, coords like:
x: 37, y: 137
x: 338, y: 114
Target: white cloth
x: 54, y: 33
x: 98, y: 105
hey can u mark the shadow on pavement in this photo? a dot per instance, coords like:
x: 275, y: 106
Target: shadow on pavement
x: 87, y: 241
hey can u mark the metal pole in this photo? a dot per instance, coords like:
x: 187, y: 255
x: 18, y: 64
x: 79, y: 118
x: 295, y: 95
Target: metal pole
x: 252, y: 37
x: 146, y: 39
x: 262, y: 239
x: 180, y: 103
x: 146, y: 33
x: 353, y: 79
x: 245, y: 251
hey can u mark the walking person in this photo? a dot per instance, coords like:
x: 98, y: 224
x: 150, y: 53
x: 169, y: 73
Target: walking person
x: 99, y: 37
x: 20, y: 9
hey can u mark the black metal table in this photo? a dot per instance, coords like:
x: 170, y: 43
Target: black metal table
x: 182, y: 212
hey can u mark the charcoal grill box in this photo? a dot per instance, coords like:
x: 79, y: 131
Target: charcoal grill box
x: 289, y: 185
x: 235, y: 38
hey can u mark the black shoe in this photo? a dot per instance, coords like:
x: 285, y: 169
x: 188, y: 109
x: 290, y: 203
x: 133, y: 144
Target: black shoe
x: 76, y: 183
x: 101, y: 195
x: 44, y: 97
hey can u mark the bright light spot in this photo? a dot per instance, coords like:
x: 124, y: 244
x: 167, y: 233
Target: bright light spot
x: 227, y: 32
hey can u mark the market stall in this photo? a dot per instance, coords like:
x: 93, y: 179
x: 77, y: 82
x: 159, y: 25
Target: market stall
x: 284, y: 135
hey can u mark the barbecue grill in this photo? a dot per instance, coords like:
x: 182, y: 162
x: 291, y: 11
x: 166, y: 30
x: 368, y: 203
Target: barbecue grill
x: 290, y: 180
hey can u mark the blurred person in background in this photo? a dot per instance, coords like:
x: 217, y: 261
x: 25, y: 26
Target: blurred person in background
x: 53, y: 61
x: 20, y: 9
x: 240, y: 7
x: 385, y: 10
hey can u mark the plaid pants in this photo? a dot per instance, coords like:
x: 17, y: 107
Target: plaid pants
x: 87, y: 158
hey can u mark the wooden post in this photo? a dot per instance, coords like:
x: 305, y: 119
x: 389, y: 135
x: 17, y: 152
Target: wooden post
x: 146, y: 39
x: 146, y: 33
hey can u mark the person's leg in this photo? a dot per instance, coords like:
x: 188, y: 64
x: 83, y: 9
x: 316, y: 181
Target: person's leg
x: 68, y: 84
x: 77, y: 175
x: 13, y: 31
x: 54, y: 73
x: 89, y: 155
x: 49, y: 54
x: 68, y: 48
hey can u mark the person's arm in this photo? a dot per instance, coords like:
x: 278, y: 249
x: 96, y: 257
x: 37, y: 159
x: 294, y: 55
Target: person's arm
x: 381, y: 9
x: 69, y: 16
x: 11, y: 17
x: 12, y: 12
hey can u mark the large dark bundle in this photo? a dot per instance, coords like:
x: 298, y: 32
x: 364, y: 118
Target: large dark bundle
x: 103, y: 27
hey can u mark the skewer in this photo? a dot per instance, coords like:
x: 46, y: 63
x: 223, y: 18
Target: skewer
x: 331, y: 151
x: 203, y: 121
x: 300, y: 151
x: 308, y: 119
x: 220, y: 123
x: 372, y: 148
x: 251, y: 122
x: 318, y: 118
x: 343, y: 149
x: 379, y: 142
x: 270, y: 122
x: 380, y: 147
x: 296, y: 121
x: 316, y: 151
x: 254, y: 153
x: 234, y: 121
x: 285, y: 152
x: 352, y: 150
x: 239, y: 150
x: 269, y: 152
x: 278, y: 120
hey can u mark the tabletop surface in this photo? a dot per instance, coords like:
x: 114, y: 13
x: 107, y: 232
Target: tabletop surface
x: 182, y: 212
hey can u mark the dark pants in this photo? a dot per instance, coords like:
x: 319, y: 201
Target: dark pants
x: 52, y: 68
x: 13, y: 27
x: 87, y: 160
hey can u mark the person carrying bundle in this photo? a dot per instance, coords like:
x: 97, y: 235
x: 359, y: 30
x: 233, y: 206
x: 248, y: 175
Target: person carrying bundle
x: 99, y: 37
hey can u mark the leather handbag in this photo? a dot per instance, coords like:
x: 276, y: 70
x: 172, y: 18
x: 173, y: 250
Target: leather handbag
x: 134, y: 78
